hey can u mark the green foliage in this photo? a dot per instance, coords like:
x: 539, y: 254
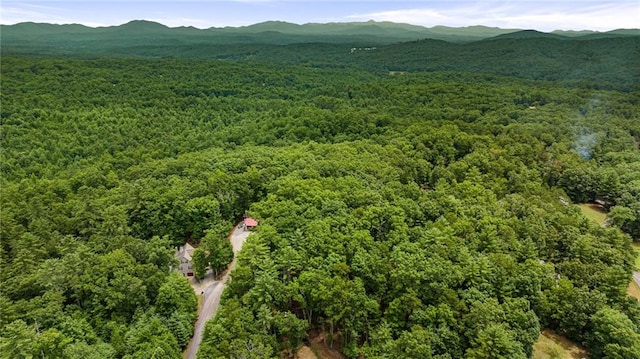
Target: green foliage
x: 220, y: 251
x: 149, y: 338
x: 414, y: 215
x: 199, y: 261
x: 17, y: 341
x: 181, y: 326
x: 177, y: 304
x: 233, y: 332
x: 80, y: 350
x: 614, y: 335
x: 22, y: 341
x: 604, y: 59
x: 495, y: 341
x: 176, y: 295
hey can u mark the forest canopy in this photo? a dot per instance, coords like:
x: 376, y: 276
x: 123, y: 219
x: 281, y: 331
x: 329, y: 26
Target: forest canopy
x: 424, y: 213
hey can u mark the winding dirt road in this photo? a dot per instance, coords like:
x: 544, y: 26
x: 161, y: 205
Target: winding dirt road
x: 211, y: 300
x: 636, y: 278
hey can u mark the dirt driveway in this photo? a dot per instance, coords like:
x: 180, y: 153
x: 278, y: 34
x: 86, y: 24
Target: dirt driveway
x: 212, y: 290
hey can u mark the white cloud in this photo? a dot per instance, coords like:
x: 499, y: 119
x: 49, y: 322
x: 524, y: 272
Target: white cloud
x: 540, y: 15
x: 15, y: 14
x: 544, y: 15
x: 29, y: 12
x: 413, y: 16
x: 181, y: 21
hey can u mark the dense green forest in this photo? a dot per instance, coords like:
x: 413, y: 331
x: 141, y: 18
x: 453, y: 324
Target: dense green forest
x: 609, y: 60
x: 419, y: 214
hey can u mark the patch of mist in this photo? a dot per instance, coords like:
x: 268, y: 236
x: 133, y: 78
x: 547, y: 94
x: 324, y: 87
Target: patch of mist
x: 585, y: 143
x: 585, y: 138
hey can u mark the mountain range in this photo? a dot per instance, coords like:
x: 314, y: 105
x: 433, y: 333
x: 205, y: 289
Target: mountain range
x: 271, y: 32
x: 609, y: 59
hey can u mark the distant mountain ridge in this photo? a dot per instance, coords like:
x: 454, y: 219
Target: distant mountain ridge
x: 277, y: 32
x: 610, y: 60
x: 528, y: 34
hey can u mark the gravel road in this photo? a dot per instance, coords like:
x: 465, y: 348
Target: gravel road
x: 212, y: 294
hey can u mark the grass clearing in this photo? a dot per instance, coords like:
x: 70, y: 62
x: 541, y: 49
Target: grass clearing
x: 553, y: 346
x: 633, y: 290
x: 594, y: 212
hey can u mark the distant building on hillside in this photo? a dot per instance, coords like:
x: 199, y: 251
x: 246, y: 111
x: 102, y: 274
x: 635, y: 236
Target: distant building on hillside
x: 249, y: 223
x: 184, y: 254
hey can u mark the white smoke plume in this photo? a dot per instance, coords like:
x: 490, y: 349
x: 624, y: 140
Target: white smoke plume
x: 585, y: 143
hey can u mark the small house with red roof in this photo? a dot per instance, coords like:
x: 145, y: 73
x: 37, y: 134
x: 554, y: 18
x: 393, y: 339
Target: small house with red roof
x: 250, y: 223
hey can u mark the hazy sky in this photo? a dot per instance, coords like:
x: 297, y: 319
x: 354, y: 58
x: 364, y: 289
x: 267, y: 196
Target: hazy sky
x: 544, y: 15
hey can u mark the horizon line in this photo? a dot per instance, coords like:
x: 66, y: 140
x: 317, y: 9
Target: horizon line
x: 303, y: 24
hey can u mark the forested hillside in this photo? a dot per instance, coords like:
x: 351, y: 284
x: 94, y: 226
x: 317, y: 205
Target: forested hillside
x: 420, y: 214
x: 601, y: 60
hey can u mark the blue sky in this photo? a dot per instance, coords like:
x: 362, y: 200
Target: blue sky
x: 543, y: 15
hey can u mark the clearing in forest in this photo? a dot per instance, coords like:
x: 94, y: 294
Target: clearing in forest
x: 318, y: 348
x: 594, y: 212
x: 553, y: 346
x: 633, y: 290
x: 306, y: 353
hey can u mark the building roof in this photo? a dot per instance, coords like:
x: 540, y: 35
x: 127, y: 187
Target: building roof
x: 185, y: 251
x: 250, y: 222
